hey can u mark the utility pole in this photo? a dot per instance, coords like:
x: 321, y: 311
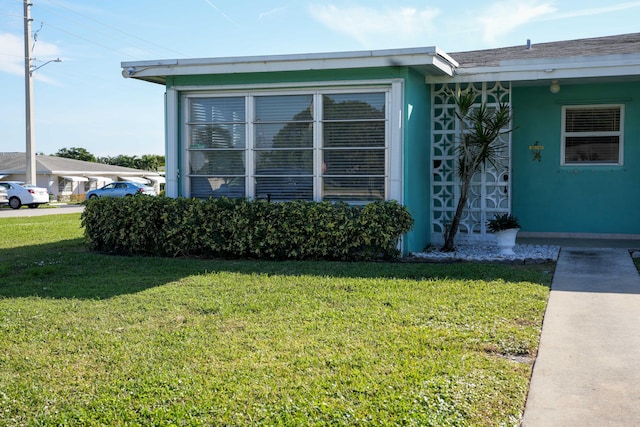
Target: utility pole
x: 28, y: 96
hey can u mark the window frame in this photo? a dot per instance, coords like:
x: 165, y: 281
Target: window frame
x: 65, y: 186
x: 187, y: 147
x: 393, y: 133
x: 325, y: 148
x: 619, y: 133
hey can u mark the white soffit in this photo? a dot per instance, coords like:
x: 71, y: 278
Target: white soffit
x: 137, y: 179
x: 158, y: 179
x: 100, y: 178
x: 76, y: 178
x: 427, y: 60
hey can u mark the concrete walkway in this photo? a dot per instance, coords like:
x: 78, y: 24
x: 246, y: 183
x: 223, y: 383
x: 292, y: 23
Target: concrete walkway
x: 587, y: 372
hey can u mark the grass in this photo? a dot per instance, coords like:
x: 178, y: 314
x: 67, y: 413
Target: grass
x: 92, y: 339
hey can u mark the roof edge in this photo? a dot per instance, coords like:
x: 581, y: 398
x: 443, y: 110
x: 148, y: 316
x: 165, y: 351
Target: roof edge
x: 617, y: 65
x: 435, y: 60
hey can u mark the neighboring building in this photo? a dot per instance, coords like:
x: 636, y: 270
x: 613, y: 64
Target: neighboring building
x: 67, y: 178
x: 362, y: 126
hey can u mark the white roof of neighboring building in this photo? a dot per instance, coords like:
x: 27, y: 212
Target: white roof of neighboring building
x: 15, y: 163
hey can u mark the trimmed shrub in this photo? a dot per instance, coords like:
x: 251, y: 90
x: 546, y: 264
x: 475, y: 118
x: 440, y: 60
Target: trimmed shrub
x: 239, y: 228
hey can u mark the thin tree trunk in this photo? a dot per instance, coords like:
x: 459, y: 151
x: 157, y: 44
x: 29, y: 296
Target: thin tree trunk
x: 455, y: 223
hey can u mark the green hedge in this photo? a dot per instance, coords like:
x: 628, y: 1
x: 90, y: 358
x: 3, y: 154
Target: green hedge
x: 238, y: 228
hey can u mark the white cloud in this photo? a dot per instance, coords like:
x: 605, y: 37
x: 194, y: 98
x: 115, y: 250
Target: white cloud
x: 371, y: 26
x: 598, y: 10
x: 503, y: 17
x: 12, y: 56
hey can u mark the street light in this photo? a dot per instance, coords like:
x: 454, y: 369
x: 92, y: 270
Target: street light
x: 42, y: 65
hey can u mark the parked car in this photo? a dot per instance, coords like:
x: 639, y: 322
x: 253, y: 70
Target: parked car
x: 122, y: 189
x: 20, y: 194
x: 4, y: 197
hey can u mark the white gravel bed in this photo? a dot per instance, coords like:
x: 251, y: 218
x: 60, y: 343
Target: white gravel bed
x: 488, y: 252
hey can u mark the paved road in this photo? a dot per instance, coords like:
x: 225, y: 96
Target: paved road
x: 6, y: 212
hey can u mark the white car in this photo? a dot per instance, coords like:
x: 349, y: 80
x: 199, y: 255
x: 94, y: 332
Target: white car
x: 25, y: 194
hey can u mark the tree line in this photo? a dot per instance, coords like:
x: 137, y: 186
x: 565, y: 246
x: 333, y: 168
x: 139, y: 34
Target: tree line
x: 148, y: 162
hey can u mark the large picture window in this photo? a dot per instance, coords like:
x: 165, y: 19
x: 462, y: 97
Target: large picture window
x: 315, y: 145
x: 592, y: 134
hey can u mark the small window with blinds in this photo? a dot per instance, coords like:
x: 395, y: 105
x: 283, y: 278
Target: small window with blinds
x: 593, y: 135
x: 65, y: 186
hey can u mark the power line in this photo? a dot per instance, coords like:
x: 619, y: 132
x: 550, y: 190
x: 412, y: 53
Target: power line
x: 91, y: 41
x: 111, y: 27
x: 88, y: 40
x: 42, y: 23
x: 12, y: 55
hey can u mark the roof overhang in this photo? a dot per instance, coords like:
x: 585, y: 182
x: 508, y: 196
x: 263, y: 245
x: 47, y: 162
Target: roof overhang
x: 99, y: 178
x: 429, y: 61
x: 137, y: 179
x: 158, y: 179
x: 76, y: 178
x: 579, y: 67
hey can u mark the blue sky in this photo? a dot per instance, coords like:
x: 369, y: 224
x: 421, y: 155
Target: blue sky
x: 84, y: 101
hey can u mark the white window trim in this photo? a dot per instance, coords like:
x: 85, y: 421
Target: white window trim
x: 619, y: 133
x: 172, y: 148
x: 394, y: 90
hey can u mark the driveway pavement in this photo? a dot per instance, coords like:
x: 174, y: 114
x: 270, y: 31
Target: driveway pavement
x: 6, y: 212
x: 587, y: 372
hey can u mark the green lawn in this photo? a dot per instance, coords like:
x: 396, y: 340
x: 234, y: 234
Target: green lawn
x: 92, y: 339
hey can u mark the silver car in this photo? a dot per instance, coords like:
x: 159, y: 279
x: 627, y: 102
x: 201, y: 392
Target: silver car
x: 4, y: 197
x: 121, y: 189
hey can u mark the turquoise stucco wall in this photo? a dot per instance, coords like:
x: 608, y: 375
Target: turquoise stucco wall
x: 549, y: 197
x: 417, y: 194
x: 288, y: 77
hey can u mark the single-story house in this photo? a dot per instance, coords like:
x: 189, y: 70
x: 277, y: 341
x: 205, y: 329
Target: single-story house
x: 372, y: 125
x: 67, y: 178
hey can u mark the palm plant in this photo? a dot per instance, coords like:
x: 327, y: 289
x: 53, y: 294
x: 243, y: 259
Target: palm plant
x: 478, y: 145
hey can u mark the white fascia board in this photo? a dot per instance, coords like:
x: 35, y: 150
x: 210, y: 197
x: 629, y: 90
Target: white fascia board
x: 550, y: 68
x: 76, y: 178
x: 445, y: 56
x: 67, y: 172
x: 430, y: 58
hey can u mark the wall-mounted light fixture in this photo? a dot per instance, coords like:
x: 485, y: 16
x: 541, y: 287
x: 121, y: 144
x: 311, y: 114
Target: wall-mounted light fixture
x: 126, y: 73
x: 555, y: 87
